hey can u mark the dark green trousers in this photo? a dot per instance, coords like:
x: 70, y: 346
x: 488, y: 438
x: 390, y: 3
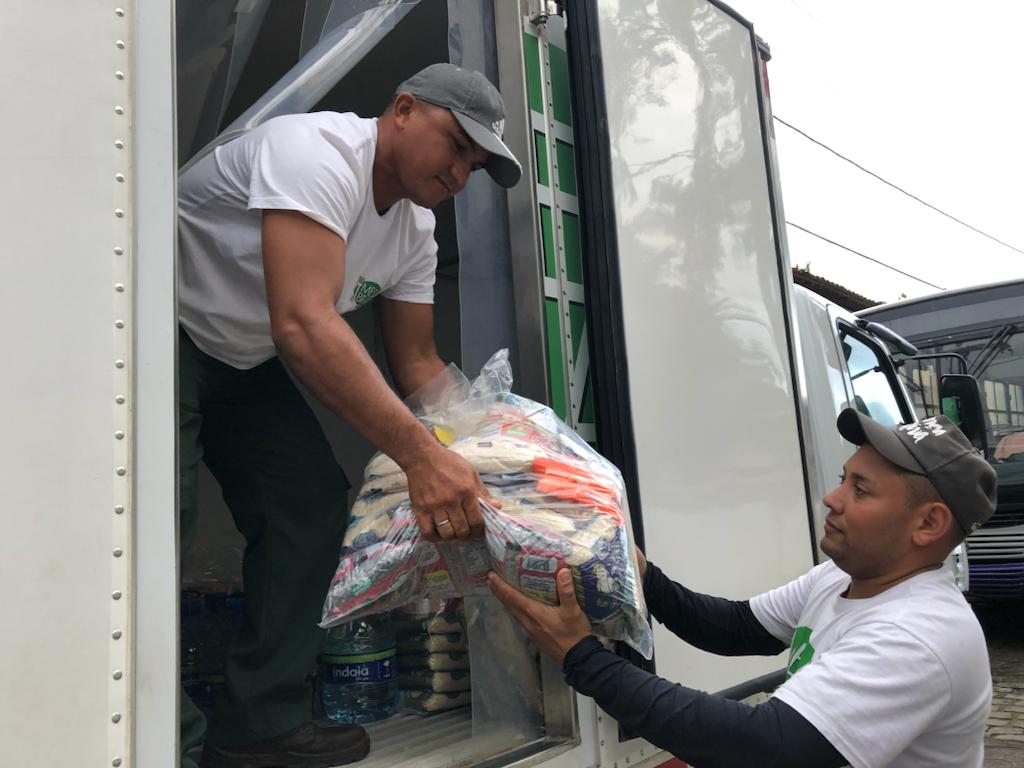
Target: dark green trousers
x: 287, y: 495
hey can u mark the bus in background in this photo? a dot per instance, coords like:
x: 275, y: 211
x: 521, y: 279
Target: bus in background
x: 979, y: 331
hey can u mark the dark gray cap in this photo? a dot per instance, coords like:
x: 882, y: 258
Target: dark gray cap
x: 936, y: 448
x: 478, y: 107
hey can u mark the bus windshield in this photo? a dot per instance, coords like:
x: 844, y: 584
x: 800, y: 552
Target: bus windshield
x: 995, y: 357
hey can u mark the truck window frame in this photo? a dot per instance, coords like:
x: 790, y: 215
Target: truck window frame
x: 885, y: 364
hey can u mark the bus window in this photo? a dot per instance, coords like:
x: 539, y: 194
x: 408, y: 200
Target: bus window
x: 873, y: 385
x: 999, y: 368
x: 995, y: 357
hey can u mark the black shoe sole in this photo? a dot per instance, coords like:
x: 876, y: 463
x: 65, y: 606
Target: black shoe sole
x: 218, y: 758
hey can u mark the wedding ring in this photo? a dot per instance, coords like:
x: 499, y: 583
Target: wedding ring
x: 443, y: 522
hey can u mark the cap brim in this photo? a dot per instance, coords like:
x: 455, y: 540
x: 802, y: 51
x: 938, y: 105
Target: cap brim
x: 859, y: 429
x: 502, y: 164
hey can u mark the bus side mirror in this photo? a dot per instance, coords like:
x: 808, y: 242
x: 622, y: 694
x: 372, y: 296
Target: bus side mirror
x: 961, y: 404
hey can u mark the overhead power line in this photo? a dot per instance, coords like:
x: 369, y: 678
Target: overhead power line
x: 900, y: 189
x: 864, y: 256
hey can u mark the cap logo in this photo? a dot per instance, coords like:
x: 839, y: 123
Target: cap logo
x: 498, y: 127
x: 924, y: 428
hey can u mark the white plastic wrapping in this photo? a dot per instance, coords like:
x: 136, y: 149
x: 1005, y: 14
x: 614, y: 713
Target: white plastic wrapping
x: 563, y: 506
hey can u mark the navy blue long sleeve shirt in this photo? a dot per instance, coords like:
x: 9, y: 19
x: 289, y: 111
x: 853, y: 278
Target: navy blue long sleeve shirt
x: 699, y: 727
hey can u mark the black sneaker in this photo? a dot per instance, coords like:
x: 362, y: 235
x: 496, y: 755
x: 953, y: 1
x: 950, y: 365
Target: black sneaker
x: 309, y: 746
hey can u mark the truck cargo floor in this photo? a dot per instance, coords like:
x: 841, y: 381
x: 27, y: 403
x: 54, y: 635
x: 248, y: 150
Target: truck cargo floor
x: 438, y: 741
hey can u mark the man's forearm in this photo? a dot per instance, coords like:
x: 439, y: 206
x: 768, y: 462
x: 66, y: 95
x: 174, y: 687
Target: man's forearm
x: 327, y: 356
x: 713, y: 624
x: 700, y: 728
x: 413, y: 375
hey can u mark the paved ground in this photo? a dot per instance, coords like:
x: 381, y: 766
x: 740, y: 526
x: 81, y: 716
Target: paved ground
x: 1004, y: 627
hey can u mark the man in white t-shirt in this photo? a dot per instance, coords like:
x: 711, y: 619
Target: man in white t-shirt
x: 281, y: 232
x: 887, y: 664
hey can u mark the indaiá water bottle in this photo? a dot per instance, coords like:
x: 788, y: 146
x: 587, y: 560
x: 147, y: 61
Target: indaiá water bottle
x: 211, y: 654
x: 358, y: 674
x: 191, y: 641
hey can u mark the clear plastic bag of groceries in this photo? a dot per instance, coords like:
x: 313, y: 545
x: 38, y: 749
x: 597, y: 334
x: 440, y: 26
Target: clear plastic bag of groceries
x: 563, y: 506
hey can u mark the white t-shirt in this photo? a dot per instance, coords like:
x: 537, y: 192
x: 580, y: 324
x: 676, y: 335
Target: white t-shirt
x: 321, y: 165
x: 901, y: 679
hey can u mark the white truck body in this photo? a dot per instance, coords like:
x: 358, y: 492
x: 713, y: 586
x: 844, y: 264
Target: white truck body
x: 705, y: 396
x: 88, y: 559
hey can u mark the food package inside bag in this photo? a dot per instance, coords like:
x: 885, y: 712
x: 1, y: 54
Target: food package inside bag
x: 563, y: 505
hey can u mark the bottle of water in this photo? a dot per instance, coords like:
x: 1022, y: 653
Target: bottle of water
x: 191, y: 642
x: 358, y: 674
x: 211, y: 655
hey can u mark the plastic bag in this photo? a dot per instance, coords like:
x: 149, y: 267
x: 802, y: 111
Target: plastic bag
x: 563, y: 506
x: 508, y: 704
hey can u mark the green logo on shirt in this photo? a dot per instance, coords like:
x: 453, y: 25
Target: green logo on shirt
x: 800, y: 652
x: 364, y: 291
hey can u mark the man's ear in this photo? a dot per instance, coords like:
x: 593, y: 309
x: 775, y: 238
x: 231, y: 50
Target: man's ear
x: 403, y: 106
x: 934, y: 523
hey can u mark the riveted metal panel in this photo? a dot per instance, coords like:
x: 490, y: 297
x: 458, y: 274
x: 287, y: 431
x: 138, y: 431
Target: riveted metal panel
x: 66, y: 463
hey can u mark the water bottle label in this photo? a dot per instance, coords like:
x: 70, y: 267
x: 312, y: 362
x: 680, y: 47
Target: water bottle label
x: 366, y: 668
x: 190, y: 678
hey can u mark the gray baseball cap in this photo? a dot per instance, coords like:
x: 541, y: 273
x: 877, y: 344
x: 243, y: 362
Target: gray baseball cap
x: 936, y: 448
x: 478, y: 107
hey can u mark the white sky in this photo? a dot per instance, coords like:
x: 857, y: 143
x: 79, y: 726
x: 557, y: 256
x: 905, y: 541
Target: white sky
x: 927, y: 95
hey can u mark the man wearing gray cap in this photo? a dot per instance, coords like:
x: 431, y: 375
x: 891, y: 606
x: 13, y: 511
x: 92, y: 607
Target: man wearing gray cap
x: 281, y: 232
x: 887, y: 663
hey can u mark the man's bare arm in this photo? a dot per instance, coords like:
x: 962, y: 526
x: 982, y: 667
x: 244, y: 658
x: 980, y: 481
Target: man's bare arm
x: 304, y: 268
x: 408, y: 331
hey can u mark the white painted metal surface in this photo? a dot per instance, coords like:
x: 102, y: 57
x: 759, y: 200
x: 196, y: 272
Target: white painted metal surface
x: 824, y: 391
x: 66, y: 459
x: 713, y: 401
x: 155, y: 686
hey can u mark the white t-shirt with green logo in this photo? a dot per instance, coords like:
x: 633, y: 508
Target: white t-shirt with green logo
x: 901, y: 679
x: 319, y: 164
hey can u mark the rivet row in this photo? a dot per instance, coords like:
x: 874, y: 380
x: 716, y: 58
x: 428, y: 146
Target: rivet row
x: 117, y: 761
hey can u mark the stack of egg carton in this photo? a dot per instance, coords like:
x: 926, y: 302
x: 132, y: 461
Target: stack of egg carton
x: 433, y: 658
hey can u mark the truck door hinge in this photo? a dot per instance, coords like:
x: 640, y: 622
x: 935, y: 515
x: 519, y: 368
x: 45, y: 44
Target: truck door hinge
x: 540, y: 11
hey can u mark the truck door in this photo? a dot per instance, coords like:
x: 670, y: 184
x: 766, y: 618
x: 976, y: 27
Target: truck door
x: 688, y: 305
